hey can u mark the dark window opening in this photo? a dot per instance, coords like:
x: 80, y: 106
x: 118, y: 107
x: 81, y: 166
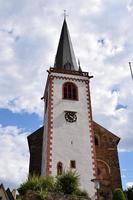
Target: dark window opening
x: 70, y: 91
x: 96, y: 141
x: 59, y: 168
x: 73, y: 164
x: 74, y: 93
x: 65, y: 92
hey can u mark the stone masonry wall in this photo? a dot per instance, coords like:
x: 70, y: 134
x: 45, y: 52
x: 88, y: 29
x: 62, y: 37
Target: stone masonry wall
x: 108, y: 170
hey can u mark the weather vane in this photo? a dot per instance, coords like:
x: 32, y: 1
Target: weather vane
x: 65, y: 15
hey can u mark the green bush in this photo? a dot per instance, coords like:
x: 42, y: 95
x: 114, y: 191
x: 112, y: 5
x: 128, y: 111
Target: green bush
x: 118, y: 195
x: 30, y: 184
x: 81, y: 193
x: 129, y: 193
x: 46, y: 184
x: 42, y: 194
x: 41, y: 187
x: 37, y: 184
x: 68, y: 182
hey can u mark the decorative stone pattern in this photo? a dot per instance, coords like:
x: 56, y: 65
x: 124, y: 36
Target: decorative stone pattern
x: 108, y: 170
x: 50, y: 127
x: 93, y: 151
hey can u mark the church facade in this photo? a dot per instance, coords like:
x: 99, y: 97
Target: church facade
x: 70, y: 139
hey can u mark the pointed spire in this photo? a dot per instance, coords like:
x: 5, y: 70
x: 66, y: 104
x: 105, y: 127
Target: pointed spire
x: 65, y: 58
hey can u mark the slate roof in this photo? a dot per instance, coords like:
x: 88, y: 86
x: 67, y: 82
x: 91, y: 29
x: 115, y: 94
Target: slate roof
x: 8, y: 193
x: 65, y: 57
x: 97, y: 126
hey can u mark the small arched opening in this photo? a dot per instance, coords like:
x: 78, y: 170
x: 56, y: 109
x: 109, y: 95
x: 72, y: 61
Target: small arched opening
x: 97, y: 140
x: 59, y: 168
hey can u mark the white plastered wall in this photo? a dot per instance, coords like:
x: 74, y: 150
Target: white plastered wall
x: 71, y: 141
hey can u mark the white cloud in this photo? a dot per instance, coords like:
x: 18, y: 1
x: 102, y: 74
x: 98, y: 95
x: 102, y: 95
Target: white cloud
x: 129, y: 184
x: 14, y: 156
x: 123, y: 176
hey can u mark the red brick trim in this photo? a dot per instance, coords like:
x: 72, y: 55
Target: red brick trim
x: 90, y: 124
x: 70, y: 79
x: 50, y: 128
x: 91, y: 130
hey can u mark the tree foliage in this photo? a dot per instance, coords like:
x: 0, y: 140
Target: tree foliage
x: 129, y: 193
x: 118, y: 195
x: 37, y: 184
x: 66, y: 184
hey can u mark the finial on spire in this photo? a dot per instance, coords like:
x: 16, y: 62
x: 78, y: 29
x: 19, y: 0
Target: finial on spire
x: 65, y: 15
x: 78, y: 62
x: 79, y: 66
x: 130, y: 65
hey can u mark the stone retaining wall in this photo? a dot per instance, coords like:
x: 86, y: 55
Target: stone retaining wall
x: 33, y: 196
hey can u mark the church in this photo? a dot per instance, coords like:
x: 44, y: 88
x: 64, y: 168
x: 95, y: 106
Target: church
x: 69, y: 138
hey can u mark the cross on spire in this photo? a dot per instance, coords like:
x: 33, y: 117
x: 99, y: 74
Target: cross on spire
x: 65, y: 14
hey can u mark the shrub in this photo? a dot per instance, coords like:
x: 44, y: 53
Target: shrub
x: 118, y: 195
x: 37, y: 184
x: 41, y: 187
x: 46, y: 184
x: 42, y: 194
x: 81, y: 193
x: 129, y: 193
x: 30, y: 184
x: 68, y: 182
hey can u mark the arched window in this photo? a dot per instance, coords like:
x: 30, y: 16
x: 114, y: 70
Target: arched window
x: 103, y: 170
x: 59, y: 168
x: 70, y: 91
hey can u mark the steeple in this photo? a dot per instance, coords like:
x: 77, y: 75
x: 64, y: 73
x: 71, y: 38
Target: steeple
x: 65, y: 58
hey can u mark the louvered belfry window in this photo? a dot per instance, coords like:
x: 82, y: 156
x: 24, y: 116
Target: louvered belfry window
x: 70, y: 91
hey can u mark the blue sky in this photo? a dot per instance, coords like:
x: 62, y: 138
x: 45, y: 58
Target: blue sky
x: 29, y: 33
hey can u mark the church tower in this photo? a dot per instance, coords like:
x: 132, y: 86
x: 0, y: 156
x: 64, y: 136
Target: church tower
x: 68, y: 133
x: 69, y: 139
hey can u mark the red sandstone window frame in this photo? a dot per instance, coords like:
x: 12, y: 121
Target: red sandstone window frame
x: 72, y: 164
x: 59, y: 168
x: 70, y: 91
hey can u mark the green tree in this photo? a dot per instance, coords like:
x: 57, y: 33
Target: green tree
x: 118, y: 195
x: 129, y: 193
x: 68, y: 182
x: 37, y: 187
